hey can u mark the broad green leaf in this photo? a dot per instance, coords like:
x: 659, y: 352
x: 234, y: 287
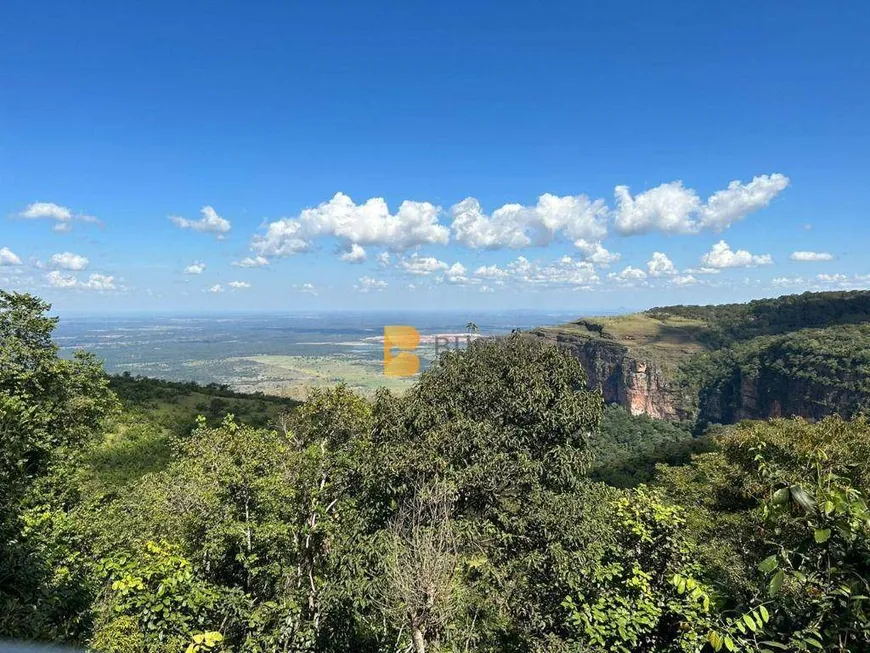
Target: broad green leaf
x: 775, y: 583
x: 768, y: 564
x: 780, y: 496
x: 801, y: 497
x: 715, y: 640
x: 822, y: 535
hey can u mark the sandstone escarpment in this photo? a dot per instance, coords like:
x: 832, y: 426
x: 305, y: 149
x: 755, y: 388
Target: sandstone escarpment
x: 671, y: 364
x: 767, y: 392
x: 640, y: 386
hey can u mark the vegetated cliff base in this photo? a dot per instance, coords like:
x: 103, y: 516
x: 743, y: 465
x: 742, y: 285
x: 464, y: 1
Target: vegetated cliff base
x: 806, y: 355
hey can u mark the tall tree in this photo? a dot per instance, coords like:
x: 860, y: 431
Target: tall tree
x: 49, y: 409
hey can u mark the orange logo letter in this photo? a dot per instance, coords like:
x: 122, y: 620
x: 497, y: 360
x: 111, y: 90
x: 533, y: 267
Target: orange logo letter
x: 406, y: 339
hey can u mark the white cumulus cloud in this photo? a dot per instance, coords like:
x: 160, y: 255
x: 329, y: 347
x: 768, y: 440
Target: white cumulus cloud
x: 356, y: 254
x: 251, y: 262
x: 209, y: 223
x: 368, y: 284
x: 674, y: 209
x: 50, y: 210
x: 422, y: 265
x: 722, y: 256
x: 98, y: 282
x: 832, y: 278
x: 668, y: 208
x: 8, y: 257
x: 811, y: 256
x: 727, y: 206
x: 660, y: 265
x: 59, y: 280
x: 457, y: 274
x: 69, y: 261
x: 594, y: 252
x: 195, y: 268
x: 284, y: 237
x: 63, y: 216
x: 684, y: 280
x: 215, y: 288
x: 239, y: 285
x: 490, y: 272
x: 371, y: 223
x: 630, y: 276
x: 632, y: 273
x: 514, y: 226
x: 566, y: 272
x: 786, y: 282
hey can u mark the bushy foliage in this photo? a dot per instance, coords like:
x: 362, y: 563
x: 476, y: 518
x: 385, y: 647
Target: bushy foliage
x: 816, y: 371
x: 642, y: 594
x: 790, y: 497
x: 50, y: 409
x: 459, y: 517
x: 153, y: 595
x: 730, y: 323
x: 175, y: 405
x: 805, y: 354
x: 626, y: 448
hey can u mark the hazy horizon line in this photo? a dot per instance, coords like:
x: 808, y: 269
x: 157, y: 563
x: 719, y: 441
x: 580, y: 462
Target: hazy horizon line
x: 345, y: 311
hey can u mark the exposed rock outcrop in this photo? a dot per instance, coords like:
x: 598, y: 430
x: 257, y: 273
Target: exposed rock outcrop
x: 766, y: 392
x: 639, y: 386
x: 774, y: 381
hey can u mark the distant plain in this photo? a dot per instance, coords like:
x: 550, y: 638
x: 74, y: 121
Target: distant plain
x: 280, y: 354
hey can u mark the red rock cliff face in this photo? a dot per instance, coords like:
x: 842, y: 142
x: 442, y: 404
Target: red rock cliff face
x: 639, y: 386
x: 766, y: 393
x: 642, y: 387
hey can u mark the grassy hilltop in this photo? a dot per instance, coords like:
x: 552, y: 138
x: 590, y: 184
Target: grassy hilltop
x: 674, y: 333
x: 663, y: 338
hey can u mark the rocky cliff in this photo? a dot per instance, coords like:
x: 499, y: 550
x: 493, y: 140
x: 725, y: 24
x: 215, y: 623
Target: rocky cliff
x: 801, y: 355
x: 769, y: 394
x: 810, y: 373
x: 640, y: 386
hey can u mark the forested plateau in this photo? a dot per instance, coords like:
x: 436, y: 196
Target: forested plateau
x: 802, y: 355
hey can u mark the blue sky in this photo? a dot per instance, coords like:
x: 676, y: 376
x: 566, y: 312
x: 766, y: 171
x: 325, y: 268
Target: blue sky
x: 224, y: 155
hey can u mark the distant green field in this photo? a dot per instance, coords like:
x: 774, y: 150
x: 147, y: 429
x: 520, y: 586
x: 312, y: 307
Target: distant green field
x: 295, y: 376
